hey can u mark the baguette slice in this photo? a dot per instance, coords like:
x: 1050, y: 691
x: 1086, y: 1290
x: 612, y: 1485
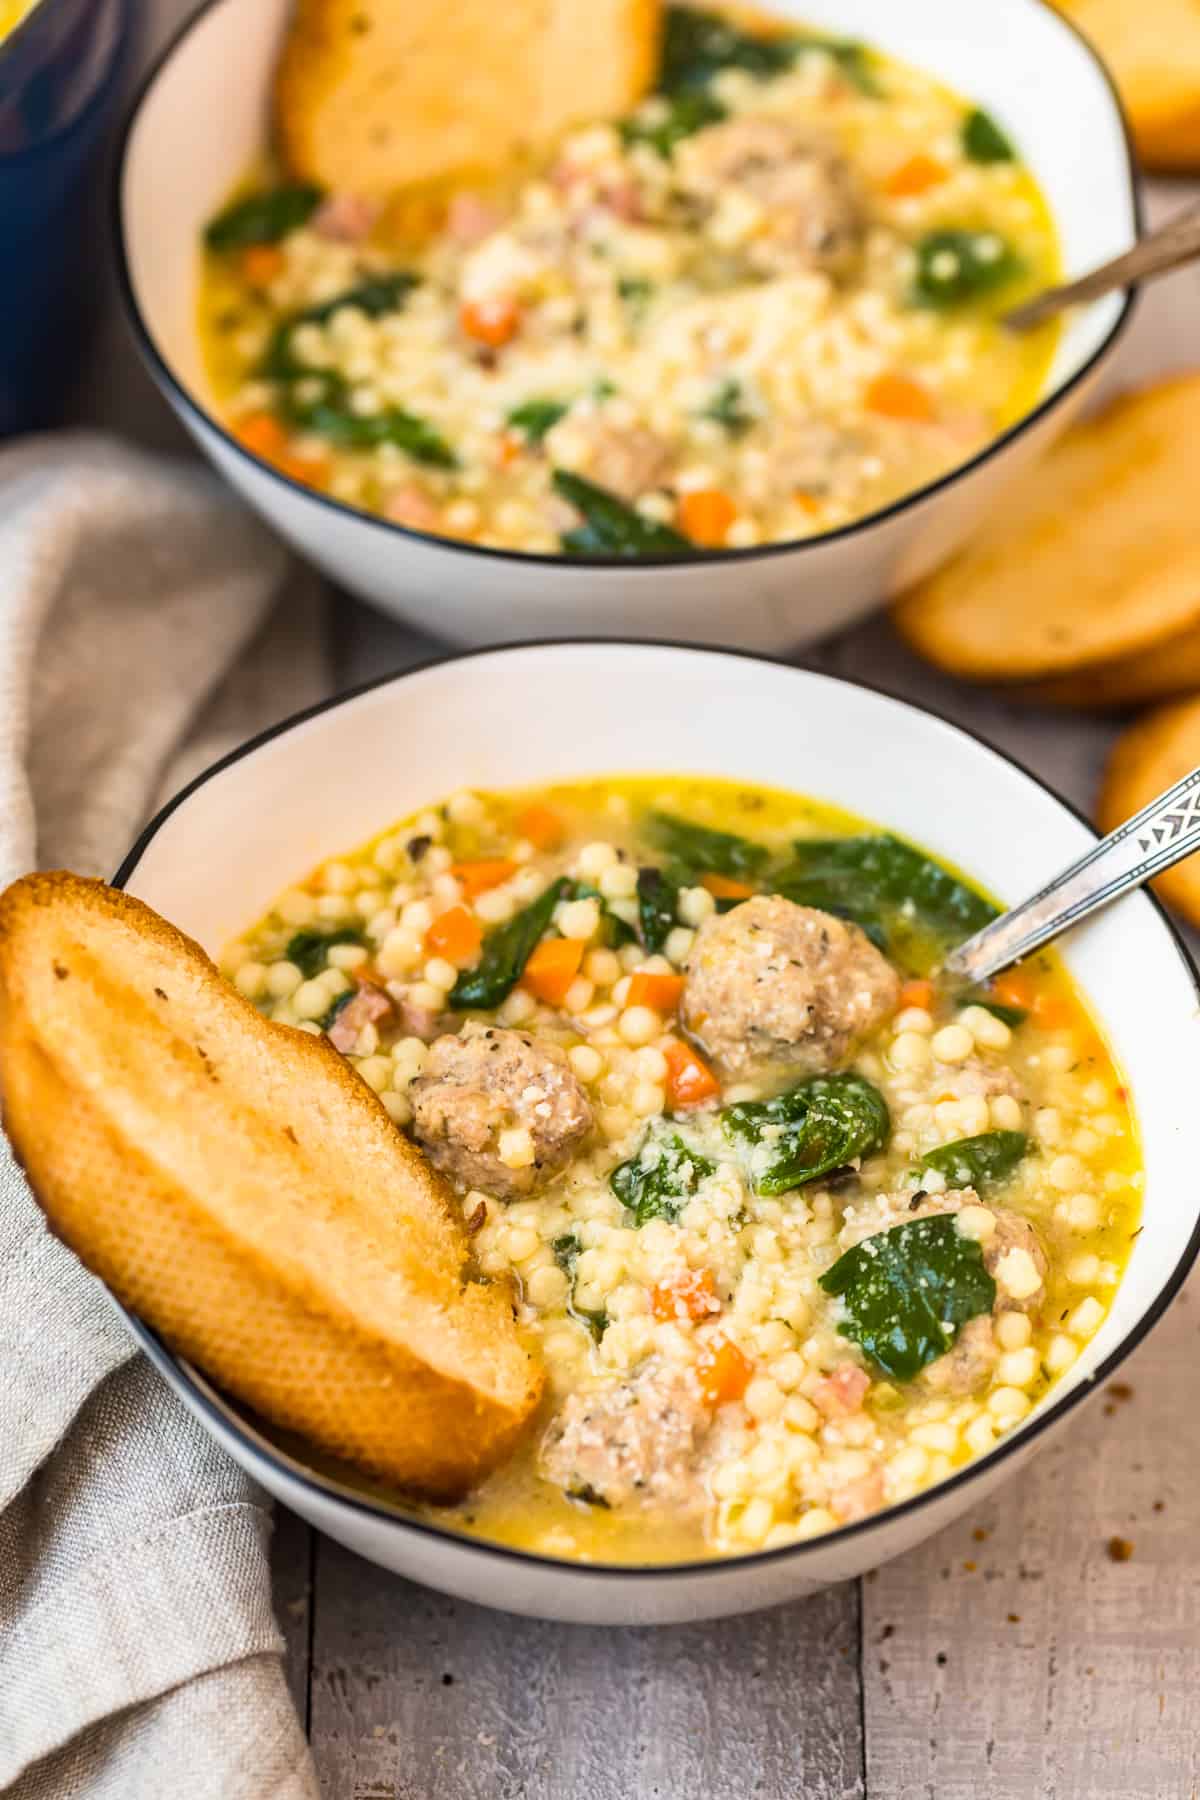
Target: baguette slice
x: 1153, y: 51
x: 1154, y: 674
x: 242, y: 1189
x: 373, y: 95
x: 1094, y: 554
x: 1157, y: 751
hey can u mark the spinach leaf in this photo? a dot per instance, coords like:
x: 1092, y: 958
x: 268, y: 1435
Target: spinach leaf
x: 883, y: 881
x: 658, y: 905
x: 376, y: 296
x: 978, y: 1161
x: 820, y: 1125
x: 697, y: 45
x: 534, y: 418
x: 701, y: 850
x: 505, y: 953
x: 610, y: 528
x: 728, y: 408
x: 983, y: 141
x: 330, y: 417
x: 906, y: 1293
x: 262, y: 218
x: 655, y: 1183
x: 686, y: 113
x: 955, y: 267
x: 636, y: 292
x: 309, y: 949
x: 566, y: 1254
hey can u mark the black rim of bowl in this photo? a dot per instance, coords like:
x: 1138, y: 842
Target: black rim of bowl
x: 175, y: 389
x: 227, y: 1418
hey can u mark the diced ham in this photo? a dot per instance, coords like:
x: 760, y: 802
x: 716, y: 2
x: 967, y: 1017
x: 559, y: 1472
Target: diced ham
x: 347, y: 218
x: 470, y: 219
x: 858, y: 1498
x: 368, y: 1007
x: 409, y: 506
x: 842, y: 1393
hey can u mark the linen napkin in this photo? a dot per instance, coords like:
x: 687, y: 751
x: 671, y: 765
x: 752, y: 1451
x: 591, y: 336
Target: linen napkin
x: 138, y: 1653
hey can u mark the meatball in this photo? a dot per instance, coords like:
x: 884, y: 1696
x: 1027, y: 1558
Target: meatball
x: 811, y: 214
x: 773, y: 984
x: 636, y: 1440
x: 483, y: 1084
x: 628, y: 460
x: 969, y: 1364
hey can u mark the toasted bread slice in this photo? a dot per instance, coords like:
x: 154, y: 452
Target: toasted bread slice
x: 1094, y: 555
x: 375, y: 95
x: 1157, y: 674
x: 1153, y: 51
x: 1152, y: 755
x: 238, y: 1185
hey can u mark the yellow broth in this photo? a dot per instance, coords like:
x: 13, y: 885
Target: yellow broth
x: 780, y: 1459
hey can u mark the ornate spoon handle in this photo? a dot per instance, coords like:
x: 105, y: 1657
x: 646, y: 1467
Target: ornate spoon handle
x: 1163, y: 833
x: 1176, y: 242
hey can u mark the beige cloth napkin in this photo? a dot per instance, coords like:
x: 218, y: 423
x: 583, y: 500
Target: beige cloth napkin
x: 139, y: 1658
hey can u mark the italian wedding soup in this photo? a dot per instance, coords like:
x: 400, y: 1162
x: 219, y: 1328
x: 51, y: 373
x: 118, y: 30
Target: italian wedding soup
x: 762, y: 305
x: 796, y: 1226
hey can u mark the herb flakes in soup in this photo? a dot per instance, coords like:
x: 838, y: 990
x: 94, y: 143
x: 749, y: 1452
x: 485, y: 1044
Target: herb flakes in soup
x: 773, y: 1294
x: 758, y: 307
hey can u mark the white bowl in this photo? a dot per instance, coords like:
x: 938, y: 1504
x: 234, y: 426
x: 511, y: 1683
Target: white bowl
x: 214, y: 860
x: 201, y: 117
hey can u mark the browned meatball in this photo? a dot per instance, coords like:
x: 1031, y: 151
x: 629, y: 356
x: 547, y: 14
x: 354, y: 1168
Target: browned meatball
x: 812, y: 216
x: 484, y: 1082
x: 776, y: 985
x: 636, y: 1440
x: 969, y: 1364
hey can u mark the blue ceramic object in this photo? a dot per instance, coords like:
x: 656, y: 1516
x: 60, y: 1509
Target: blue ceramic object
x: 60, y: 71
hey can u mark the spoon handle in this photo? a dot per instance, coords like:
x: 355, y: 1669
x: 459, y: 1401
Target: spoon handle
x: 1176, y: 242
x: 1163, y: 833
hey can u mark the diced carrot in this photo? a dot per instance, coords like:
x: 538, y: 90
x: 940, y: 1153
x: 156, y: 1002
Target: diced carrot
x: 261, y: 263
x: 455, y: 934
x: 916, y: 993
x: 724, y: 887
x: 1014, y: 989
x: 704, y: 515
x: 690, y: 1081
x: 723, y: 1370
x: 310, y: 471
x: 661, y: 992
x: 915, y: 176
x: 542, y: 826
x: 807, y: 502
x: 552, y: 968
x: 688, y: 1294
x: 1052, y: 1010
x: 900, y: 397
x: 486, y: 872
x: 492, y: 322
x: 261, y: 433
x: 510, y: 446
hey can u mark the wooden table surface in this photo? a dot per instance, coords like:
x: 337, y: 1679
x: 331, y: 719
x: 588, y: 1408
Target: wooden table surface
x: 1008, y: 1658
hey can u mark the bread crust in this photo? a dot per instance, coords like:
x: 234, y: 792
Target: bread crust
x: 1152, y: 755
x: 372, y: 96
x: 239, y: 1186
x: 1094, y: 556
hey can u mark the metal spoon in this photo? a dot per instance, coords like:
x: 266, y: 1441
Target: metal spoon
x: 1176, y: 242
x: 1161, y: 835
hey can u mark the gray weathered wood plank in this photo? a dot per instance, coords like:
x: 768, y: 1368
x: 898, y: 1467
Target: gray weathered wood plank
x: 417, y: 1697
x: 1027, y: 1662
x: 292, y: 1549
